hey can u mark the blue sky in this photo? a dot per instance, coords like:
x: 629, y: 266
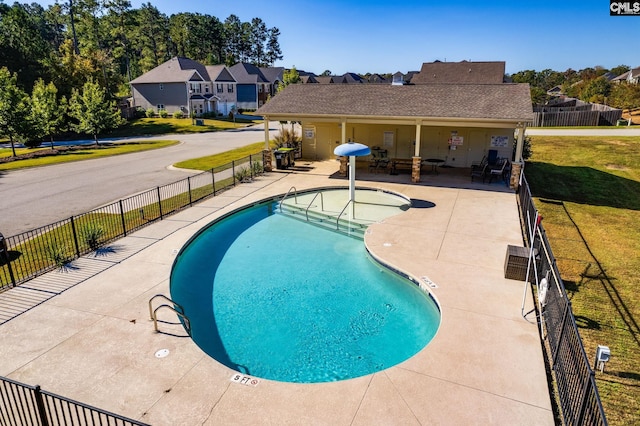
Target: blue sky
x: 376, y: 36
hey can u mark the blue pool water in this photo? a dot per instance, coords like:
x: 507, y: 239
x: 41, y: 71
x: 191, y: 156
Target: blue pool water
x: 277, y: 298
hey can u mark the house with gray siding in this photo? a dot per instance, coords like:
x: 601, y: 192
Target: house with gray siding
x: 184, y: 85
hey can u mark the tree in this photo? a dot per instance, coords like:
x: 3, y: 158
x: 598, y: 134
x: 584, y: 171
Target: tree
x: 13, y: 107
x: 151, y: 38
x: 595, y: 90
x: 22, y: 42
x: 47, y: 111
x: 92, y: 111
x: 258, y: 38
x: 289, y: 77
x: 274, y: 53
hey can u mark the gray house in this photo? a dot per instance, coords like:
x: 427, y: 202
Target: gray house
x: 181, y: 84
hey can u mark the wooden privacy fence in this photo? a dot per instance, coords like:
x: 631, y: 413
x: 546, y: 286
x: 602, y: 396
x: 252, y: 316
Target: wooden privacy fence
x: 576, y: 118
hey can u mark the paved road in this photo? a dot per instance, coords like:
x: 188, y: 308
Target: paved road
x: 36, y: 197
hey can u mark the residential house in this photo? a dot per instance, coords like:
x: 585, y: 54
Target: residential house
x: 255, y: 85
x: 463, y: 72
x: 330, y: 79
x: 632, y: 76
x: 377, y: 79
x: 181, y: 84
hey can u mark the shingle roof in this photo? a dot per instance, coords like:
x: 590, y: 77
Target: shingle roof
x: 245, y: 73
x: 219, y: 73
x: 481, y: 101
x: 272, y: 74
x: 175, y: 70
x: 460, y: 72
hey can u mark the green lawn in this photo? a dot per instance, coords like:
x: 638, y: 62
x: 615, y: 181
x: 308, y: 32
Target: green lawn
x: 224, y: 158
x: 588, y: 191
x: 161, y: 126
x: 82, y: 153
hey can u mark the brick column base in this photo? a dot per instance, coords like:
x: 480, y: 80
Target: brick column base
x: 514, y: 179
x: 415, y: 169
x: 267, y: 164
x: 344, y: 166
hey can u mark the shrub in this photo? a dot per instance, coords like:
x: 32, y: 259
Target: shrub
x: 243, y: 174
x: 57, y: 253
x: 163, y: 113
x: 178, y: 114
x: 92, y: 234
x: 150, y: 112
x: 257, y: 168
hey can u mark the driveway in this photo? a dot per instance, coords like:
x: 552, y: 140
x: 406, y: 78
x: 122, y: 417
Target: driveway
x: 31, y: 198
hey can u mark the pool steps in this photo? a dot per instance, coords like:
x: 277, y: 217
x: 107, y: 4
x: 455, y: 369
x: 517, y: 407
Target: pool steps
x: 325, y: 219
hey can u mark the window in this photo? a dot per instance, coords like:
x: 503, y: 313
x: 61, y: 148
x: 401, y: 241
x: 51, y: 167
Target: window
x: 160, y: 107
x: 230, y: 88
x: 195, y: 88
x: 161, y: 85
x: 206, y: 89
x: 219, y: 88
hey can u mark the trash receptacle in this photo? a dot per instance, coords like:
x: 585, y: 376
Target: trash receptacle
x: 284, y: 158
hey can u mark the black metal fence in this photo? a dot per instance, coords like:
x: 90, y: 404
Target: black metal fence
x: 26, y: 405
x: 32, y: 253
x: 575, y: 383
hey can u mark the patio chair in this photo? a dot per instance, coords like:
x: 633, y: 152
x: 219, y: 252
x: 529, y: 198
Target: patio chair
x: 379, y: 160
x: 499, y: 170
x: 492, y: 157
x: 479, y: 172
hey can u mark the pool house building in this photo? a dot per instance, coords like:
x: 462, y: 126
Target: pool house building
x: 455, y: 120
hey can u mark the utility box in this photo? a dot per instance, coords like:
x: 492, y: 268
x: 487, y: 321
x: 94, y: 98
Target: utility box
x: 603, y: 355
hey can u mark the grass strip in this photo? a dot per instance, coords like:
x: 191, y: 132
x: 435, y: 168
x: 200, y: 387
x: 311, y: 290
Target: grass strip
x: 588, y: 191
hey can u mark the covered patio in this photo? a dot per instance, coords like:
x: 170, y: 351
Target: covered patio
x: 453, y: 124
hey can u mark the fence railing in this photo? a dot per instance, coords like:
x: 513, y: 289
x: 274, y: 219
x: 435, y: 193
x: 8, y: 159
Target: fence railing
x: 574, y: 378
x: 25, y: 405
x: 32, y: 253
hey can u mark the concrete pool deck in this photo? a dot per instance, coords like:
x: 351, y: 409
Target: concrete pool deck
x: 90, y: 337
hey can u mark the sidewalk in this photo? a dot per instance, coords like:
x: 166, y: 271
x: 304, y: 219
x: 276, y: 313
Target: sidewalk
x: 91, y: 339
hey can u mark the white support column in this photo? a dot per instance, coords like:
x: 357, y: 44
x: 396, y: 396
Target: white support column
x: 520, y: 143
x: 266, y: 132
x: 417, y: 148
x: 344, y: 130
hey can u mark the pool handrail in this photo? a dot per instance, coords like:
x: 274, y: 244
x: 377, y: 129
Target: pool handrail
x: 295, y: 194
x: 340, y: 215
x: 180, y: 313
x: 312, y: 200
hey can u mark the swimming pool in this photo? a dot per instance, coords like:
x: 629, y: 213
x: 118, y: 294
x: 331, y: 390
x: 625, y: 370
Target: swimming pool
x: 277, y: 298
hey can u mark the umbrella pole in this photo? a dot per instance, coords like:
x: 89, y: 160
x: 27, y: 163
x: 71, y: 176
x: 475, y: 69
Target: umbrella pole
x: 352, y: 185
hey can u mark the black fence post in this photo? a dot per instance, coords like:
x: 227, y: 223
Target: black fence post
x: 233, y: 171
x: 189, y: 189
x: 159, y: 203
x: 124, y: 223
x: 213, y: 180
x: 4, y: 256
x: 251, y: 167
x: 42, y: 413
x: 75, y: 236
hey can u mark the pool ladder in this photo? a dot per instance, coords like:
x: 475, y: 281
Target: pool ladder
x: 176, y: 308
